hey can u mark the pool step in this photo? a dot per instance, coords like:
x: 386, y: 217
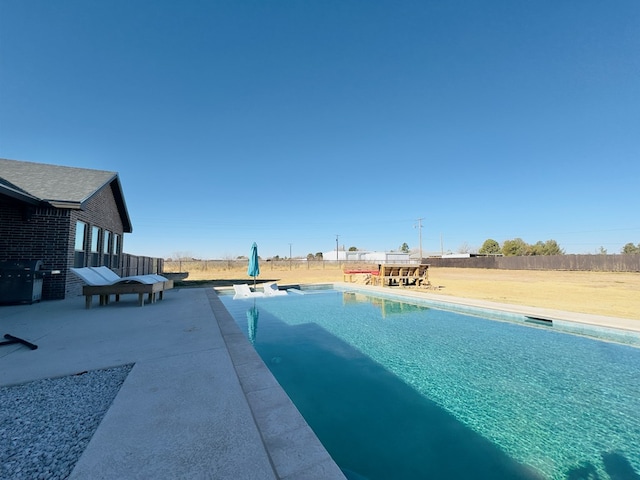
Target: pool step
x: 539, y: 321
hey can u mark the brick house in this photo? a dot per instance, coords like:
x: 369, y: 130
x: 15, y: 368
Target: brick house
x: 65, y: 216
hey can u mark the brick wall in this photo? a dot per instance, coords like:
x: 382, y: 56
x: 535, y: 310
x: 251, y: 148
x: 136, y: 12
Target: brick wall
x: 48, y: 234
x: 100, y: 211
x: 28, y: 233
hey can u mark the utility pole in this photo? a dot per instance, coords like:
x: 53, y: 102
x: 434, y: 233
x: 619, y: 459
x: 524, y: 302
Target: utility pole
x: 337, y: 236
x: 289, y: 256
x: 419, y: 227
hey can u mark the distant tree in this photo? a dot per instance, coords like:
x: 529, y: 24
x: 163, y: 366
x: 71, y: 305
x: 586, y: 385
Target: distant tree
x: 602, y: 250
x: 464, y: 248
x: 319, y: 256
x: 490, y: 247
x: 515, y: 247
x: 404, y: 248
x: 276, y: 257
x: 182, y: 256
x: 518, y: 246
x: 310, y: 256
x: 551, y: 247
x: 630, y: 248
x: 535, y: 249
x: 353, y: 249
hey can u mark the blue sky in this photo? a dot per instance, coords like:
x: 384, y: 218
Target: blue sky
x: 291, y: 122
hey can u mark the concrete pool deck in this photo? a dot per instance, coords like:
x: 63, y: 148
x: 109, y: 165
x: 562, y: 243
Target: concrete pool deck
x: 199, y: 402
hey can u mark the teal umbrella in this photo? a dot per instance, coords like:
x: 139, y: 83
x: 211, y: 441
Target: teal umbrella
x: 254, y: 267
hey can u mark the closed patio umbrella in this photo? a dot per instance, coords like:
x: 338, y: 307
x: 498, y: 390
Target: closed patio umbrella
x: 254, y: 267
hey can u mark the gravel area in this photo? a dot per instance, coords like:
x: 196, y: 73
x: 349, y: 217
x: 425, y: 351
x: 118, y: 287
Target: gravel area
x: 45, y: 425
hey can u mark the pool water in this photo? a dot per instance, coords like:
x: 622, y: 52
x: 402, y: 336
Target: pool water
x: 398, y: 390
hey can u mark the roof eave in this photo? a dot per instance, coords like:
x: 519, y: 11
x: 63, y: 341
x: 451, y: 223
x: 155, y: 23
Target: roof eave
x: 65, y: 204
x: 21, y: 196
x: 127, y: 227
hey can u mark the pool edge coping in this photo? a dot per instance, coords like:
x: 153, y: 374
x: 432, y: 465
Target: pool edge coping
x: 294, y: 450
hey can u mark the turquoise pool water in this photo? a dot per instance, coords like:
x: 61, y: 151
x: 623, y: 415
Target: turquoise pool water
x: 399, y: 390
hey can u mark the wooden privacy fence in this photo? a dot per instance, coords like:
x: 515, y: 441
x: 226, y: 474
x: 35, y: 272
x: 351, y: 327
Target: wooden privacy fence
x: 596, y: 263
x: 137, y: 265
x: 589, y: 263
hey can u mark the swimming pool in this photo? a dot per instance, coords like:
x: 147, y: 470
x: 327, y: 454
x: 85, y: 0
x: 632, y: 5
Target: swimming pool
x: 398, y: 389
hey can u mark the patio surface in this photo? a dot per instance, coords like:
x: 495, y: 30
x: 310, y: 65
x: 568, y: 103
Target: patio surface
x: 199, y: 402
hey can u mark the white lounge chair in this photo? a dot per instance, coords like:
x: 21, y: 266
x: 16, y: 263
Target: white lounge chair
x: 113, y: 277
x: 106, y: 276
x: 271, y: 290
x: 104, y: 282
x: 243, y: 291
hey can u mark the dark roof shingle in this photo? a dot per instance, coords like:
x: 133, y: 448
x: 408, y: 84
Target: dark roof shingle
x: 59, y: 186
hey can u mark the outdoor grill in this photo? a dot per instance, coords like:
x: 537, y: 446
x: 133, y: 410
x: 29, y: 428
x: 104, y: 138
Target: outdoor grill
x: 21, y: 281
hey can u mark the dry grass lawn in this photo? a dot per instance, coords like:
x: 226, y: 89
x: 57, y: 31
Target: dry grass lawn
x: 599, y: 293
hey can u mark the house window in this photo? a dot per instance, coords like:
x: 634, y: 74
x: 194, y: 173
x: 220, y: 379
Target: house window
x: 95, y: 246
x: 81, y: 244
x: 116, y: 251
x: 106, y: 248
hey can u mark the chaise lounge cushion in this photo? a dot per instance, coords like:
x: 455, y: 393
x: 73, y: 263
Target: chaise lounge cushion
x: 96, y: 276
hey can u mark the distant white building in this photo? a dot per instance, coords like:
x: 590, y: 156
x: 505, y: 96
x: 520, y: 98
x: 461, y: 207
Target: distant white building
x: 371, y: 257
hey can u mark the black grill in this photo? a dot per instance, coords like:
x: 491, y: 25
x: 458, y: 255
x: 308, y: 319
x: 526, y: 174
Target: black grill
x: 21, y: 281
